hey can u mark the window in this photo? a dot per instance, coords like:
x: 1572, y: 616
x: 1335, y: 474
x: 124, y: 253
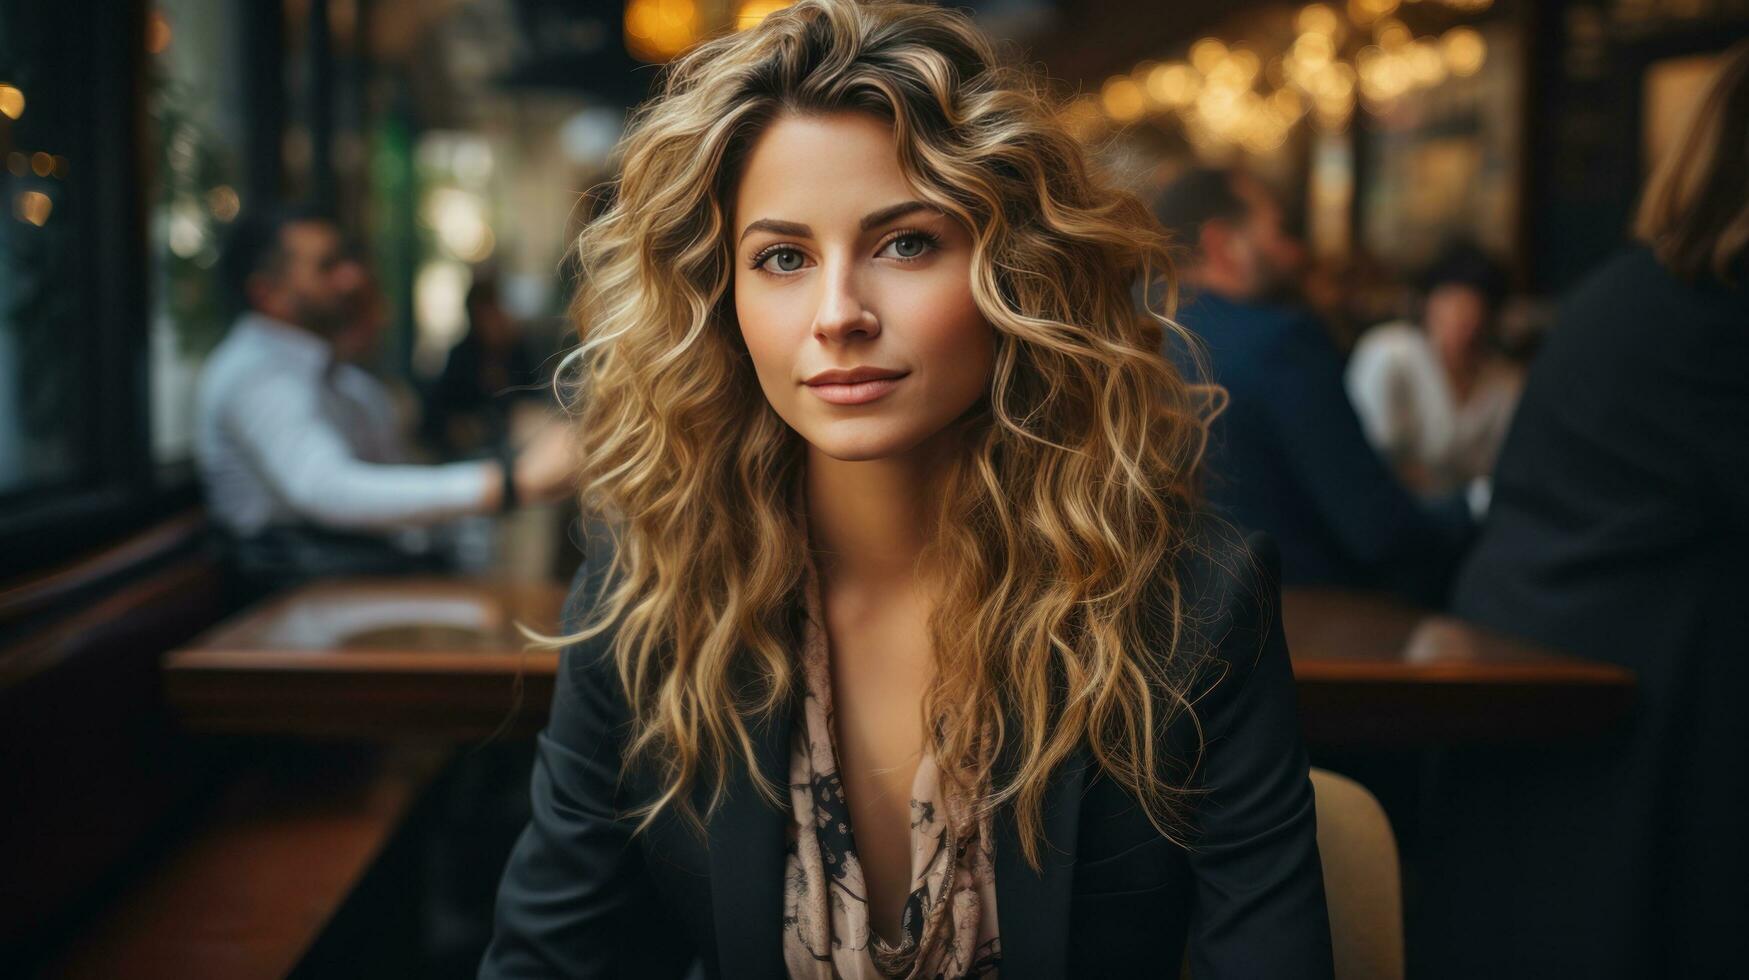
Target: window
x: 194, y: 138
x: 73, y: 450
x: 48, y: 417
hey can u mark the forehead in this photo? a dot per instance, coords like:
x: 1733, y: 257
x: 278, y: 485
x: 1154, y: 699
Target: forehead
x: 1456, y: 291
x: 822, y: 170
x: 309, y: 238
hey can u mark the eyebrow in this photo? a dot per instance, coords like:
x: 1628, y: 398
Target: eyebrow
x: 873, y: 219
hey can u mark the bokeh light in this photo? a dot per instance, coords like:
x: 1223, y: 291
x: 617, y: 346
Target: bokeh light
x: 1464, y: 51
x: 749, y: 14
x: 1123, y: 99
x: 657, y: 30
x: 33, y: 207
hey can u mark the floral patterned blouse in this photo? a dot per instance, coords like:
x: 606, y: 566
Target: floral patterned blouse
x: 949, y: 921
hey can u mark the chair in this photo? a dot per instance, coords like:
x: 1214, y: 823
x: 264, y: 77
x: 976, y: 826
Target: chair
x: 1362, y: 879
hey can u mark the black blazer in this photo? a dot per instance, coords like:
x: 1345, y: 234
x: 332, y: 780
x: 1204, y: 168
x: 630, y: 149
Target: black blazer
x: 582, y: 898
x: 1619, y: 531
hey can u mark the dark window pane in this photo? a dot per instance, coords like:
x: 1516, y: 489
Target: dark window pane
x: 47, y: 402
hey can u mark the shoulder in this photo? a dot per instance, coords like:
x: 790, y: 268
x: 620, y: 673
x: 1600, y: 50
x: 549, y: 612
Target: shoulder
x: 1291, y: 339
x: 582, y: 597
x: 261, y: 396
x: 1398, y: 340
x: 1228, y: 581
x: 1619, y: 298
x: 587, y: 665
x: 1277, y: 343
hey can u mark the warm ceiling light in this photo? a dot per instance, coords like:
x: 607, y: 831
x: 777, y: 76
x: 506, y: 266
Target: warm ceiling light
x: 1174, y: 84
x: 657, y: 30
x: 1123, y: 99
x: 1425, y: 62
x: 1464, y: 51
x: 1314, y: 49
x: 1318, y: 18
x: 750, y: 13
x: 1392, y: 33
x: 1367, y: 11
x: 11, y: 101
x: 1207, y: 53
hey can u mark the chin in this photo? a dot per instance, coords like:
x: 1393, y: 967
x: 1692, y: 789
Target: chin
x: 861, y: 442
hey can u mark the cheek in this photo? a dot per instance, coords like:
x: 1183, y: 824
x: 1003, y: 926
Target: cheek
x: 952, y: 335
x: 762, y: 331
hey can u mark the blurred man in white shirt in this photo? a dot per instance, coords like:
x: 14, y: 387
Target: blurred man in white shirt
x: 299, y: 450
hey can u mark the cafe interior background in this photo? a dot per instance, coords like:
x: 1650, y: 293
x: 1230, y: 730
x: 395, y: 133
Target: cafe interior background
x: 297, y: 829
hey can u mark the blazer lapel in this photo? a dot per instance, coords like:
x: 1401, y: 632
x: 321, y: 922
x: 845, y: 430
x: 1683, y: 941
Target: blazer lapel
x: 746, y: 860
x: 1032, y: 908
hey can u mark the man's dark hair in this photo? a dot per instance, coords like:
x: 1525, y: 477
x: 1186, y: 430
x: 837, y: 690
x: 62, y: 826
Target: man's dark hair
x: 254, y: 244
x: 1196, y: 197
x: 1463, y: 263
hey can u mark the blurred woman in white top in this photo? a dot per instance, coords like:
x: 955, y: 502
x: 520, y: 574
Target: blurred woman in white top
x: 1436, y: 398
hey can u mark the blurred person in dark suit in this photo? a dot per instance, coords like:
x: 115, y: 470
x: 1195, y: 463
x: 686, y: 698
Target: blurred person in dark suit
x: 299, y: 450
x: 1620, y: 532
x: 486, y: 374
x: 1288, y: 455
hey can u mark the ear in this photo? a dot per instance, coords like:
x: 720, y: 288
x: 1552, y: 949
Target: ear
x: 260, y: 289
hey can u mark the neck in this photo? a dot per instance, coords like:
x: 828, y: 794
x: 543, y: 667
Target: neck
x: 1460, y: 370
x: 868, y: 520
x: 287, y: 321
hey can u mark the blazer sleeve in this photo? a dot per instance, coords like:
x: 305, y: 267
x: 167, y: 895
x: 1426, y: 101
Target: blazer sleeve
x: 1258, y: 907
x: 575, y: 900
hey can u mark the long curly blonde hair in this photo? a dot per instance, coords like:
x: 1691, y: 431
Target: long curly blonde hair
x: 1058, y: 524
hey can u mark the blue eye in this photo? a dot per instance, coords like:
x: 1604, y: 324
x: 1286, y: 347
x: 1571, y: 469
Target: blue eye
x: 924, y: 243
x: 781, y: 252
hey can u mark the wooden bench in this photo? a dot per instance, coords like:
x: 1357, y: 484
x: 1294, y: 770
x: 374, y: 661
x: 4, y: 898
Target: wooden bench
x: 263, y: 874
x: 129, y: 847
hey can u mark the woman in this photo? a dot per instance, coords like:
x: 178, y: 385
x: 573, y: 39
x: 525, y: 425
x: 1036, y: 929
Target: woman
x: 1436, y: 399
x: 884, y: 441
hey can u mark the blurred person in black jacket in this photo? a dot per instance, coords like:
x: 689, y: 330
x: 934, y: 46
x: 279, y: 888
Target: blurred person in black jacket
x: 1620, y: 532
x: 486, y: 373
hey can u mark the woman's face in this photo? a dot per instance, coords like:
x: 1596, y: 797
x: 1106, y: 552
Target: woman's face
x: 854, y: 297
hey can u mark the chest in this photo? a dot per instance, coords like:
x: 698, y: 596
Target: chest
x: 880, y: 666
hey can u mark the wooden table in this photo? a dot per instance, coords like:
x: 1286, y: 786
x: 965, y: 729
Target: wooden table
x: 1375, y: 673
x: 374, y: 657
x: 442, y: 657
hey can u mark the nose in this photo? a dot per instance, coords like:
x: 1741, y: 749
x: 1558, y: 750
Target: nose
x: 842, y: 316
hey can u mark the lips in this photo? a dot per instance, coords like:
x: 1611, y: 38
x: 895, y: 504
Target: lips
x: 853, y: 375
x: 854, y: 386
